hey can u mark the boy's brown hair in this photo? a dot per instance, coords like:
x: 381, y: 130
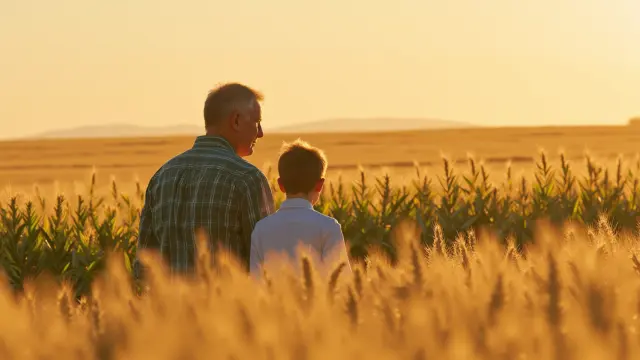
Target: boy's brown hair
x: 300, y: 166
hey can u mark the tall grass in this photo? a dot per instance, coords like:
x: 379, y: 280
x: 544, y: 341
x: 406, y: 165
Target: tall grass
x: 69, y: 238
x: 450, y: 267
x: 574, y: 294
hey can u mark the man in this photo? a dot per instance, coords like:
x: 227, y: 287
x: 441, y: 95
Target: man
x: 210, y: 187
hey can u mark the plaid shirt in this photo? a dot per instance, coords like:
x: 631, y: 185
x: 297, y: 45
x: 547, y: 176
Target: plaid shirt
x: 207, y: 187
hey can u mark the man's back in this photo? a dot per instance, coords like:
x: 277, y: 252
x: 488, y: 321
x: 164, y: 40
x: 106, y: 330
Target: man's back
x: 207, y: 187
x: 297, y: 223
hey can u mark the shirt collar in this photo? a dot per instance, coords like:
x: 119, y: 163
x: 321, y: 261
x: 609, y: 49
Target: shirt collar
x: 296, y: 203
x: 212, y: 141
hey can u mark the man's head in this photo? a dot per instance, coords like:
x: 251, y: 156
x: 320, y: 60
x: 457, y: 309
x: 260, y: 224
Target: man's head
x: 233, y: 111
x: 301, y: 170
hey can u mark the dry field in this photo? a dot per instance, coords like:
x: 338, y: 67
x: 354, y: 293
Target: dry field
x: 572, y: 297
x: 68, y: 164
x: 568, y: 295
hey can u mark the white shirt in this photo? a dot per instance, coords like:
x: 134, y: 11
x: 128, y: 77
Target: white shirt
x: 296, y: 224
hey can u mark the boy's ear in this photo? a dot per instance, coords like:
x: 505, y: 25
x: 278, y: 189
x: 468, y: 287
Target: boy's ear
x: 281, y: 186
x: 319, y: 185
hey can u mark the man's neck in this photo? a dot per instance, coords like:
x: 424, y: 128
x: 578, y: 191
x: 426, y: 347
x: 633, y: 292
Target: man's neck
x: 217, y: 133
x: 213, y: 132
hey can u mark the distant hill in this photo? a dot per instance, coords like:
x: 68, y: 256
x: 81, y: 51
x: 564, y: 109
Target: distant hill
x: 121, y: 130
x: 373, y: 125
x: 332, y: 125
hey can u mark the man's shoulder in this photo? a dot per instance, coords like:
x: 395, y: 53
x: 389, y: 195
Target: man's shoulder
x: 211, y: 161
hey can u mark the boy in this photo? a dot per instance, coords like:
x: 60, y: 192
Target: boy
x: 301, y: 170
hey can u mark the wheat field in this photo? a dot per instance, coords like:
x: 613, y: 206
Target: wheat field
x: 575, y: 295
x: 67, y: 165
x: 451, y: 290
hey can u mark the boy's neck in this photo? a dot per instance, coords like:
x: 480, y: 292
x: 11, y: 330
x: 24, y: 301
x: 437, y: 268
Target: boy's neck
x: 299, y: 196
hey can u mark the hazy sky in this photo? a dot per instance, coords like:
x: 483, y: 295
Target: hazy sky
x: 78, y: 62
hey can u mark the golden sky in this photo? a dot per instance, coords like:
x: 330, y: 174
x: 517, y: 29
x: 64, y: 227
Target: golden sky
x: 70, y: 63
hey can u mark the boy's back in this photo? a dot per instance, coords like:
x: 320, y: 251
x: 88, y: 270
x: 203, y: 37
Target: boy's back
x: 296, y: 223
x: 301, y: 170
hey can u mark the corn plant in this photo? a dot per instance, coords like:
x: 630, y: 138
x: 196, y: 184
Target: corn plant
x: 70, y: 238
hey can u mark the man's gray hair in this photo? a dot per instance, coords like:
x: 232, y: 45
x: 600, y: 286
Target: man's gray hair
x: 225, y: 98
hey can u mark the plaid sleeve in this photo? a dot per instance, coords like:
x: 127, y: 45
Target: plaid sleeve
x: 147, y: 239
x: 257, y: 256
x: 257, y: 203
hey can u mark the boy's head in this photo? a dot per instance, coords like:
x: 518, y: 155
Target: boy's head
x: 301, y: 170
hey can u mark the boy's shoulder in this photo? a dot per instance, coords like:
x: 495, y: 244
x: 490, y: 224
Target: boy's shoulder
x: 310, y: 214
x: 326, y: 219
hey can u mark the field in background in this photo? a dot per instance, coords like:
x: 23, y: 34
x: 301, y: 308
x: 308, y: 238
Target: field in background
x: 441, y: 289
x: 69, y: 163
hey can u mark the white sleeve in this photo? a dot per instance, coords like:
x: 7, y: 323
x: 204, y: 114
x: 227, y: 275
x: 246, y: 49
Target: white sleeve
x: 336, y: 244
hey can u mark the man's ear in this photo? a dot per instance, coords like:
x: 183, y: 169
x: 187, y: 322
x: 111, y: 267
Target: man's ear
x: 319, y: 185
x: 281, y: 186
x: 234, y: 117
